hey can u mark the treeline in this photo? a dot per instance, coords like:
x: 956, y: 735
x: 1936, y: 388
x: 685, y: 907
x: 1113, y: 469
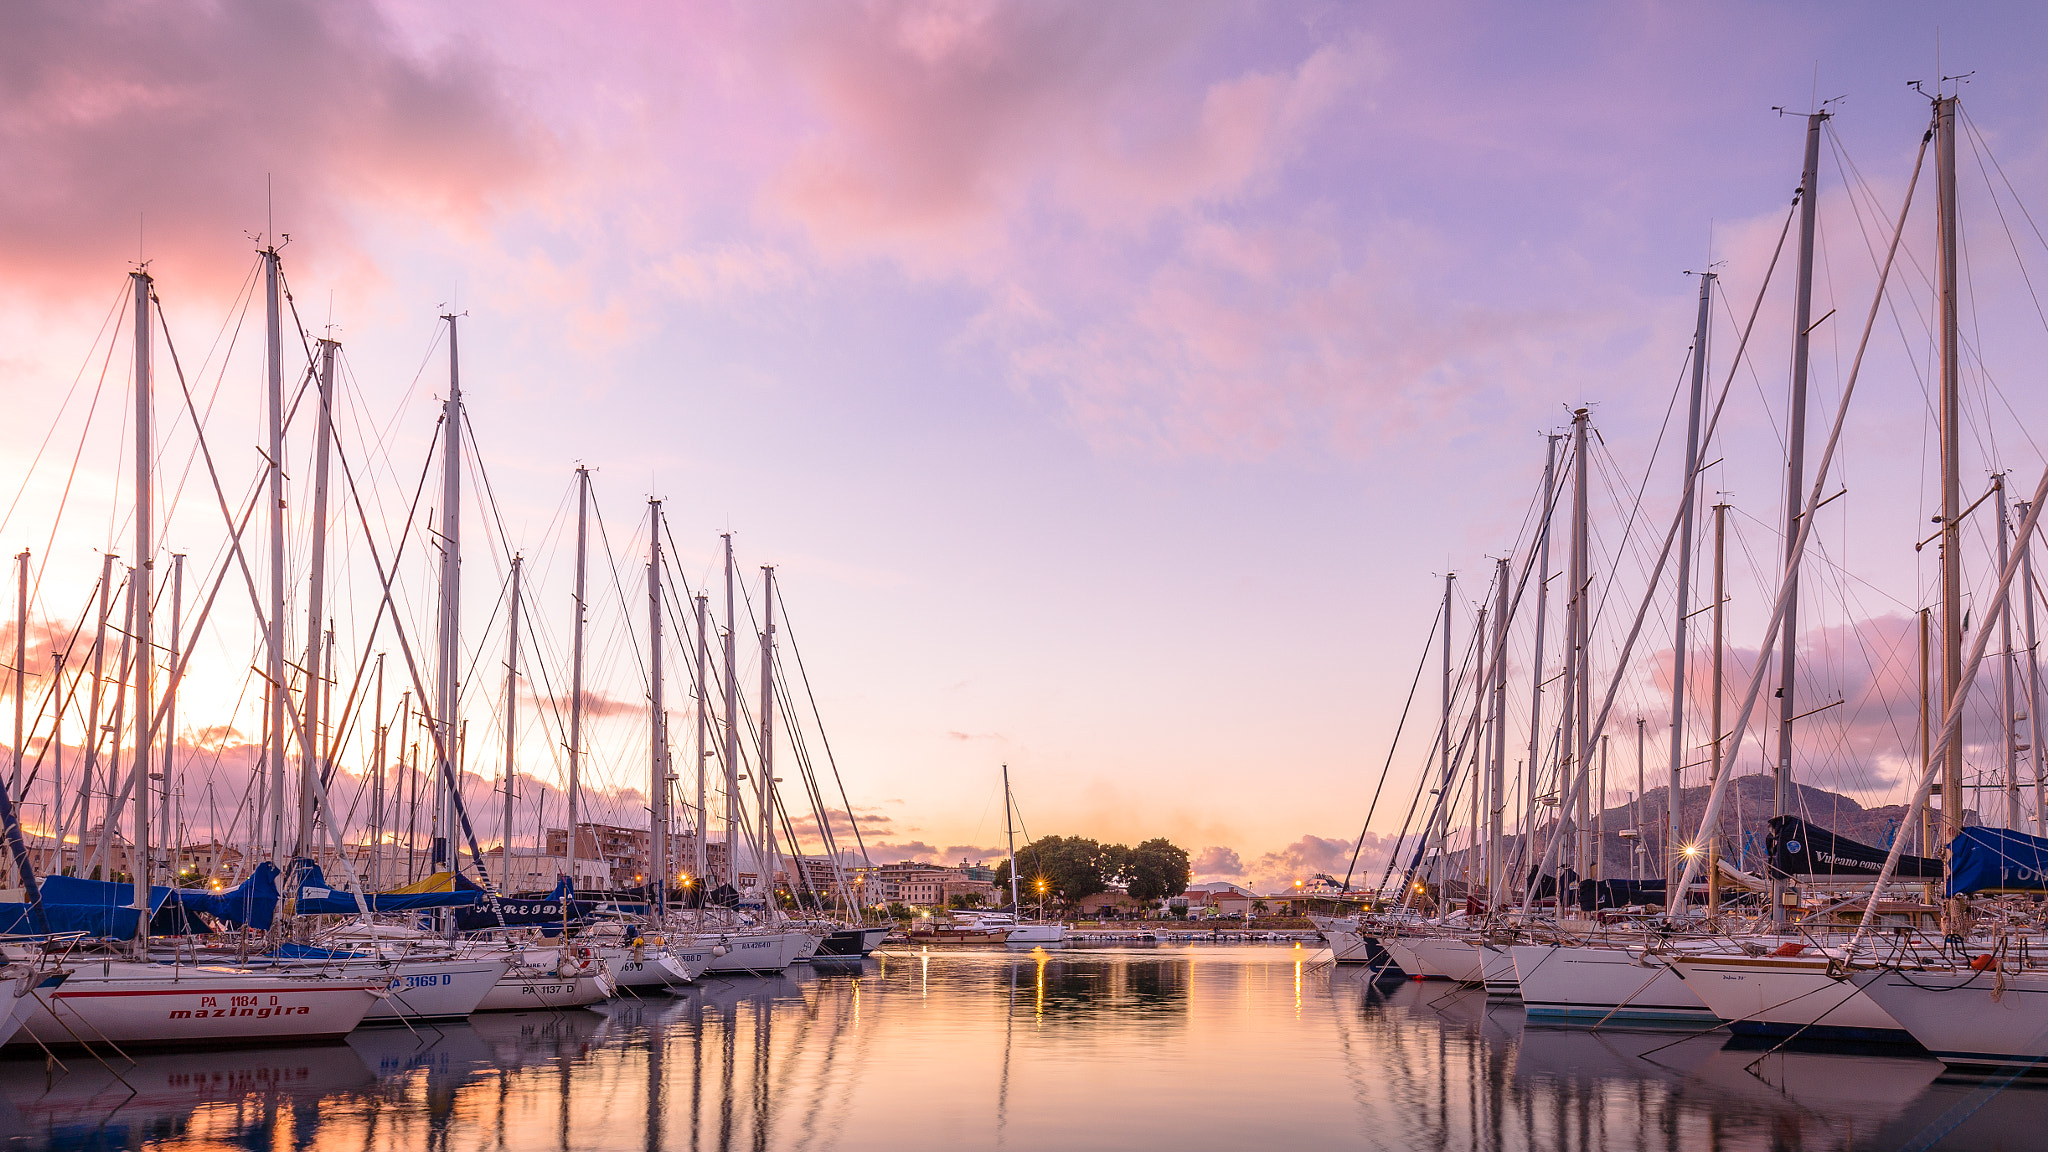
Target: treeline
x: 1064, y: 869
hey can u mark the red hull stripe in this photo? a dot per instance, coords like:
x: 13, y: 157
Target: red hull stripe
x: 62, y: 995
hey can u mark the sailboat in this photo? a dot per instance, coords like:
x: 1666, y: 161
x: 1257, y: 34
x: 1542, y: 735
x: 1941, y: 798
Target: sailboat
x: 1015, y: 929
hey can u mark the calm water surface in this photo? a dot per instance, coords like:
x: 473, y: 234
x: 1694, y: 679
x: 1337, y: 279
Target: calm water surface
x: 1176, y: 1047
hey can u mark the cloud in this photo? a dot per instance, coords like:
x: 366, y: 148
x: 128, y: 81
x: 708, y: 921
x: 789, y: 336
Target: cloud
x: 958, y: 852
x: 883, y: 852
x: 172, y: 118
x: 1217, y: 861
x: 1866, y: 744
x: 940, y: 130
x: 1274, y: 871
x: 596, y: 705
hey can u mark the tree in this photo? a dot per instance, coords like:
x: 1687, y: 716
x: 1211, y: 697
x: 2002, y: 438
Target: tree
x: 1071, y: 868
x: 1155, y: 869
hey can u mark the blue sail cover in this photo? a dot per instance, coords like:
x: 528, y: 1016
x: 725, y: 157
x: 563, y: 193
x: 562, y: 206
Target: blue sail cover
x: 524, y: 909
x: 252, y: 903
x: 74, y: 904
x: 1995, y: 860
x: 104, y: 908
x: 315, y: 898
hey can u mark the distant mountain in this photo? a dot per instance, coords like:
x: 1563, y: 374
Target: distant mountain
x: 1746, y: 809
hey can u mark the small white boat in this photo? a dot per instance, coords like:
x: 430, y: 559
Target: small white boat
x: 143, y: 1006
x: 1015, y: 931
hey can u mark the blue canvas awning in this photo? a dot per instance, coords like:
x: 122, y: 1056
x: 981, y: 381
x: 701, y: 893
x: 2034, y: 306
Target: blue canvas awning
x: 315, y: 898
x: 1995, y: 860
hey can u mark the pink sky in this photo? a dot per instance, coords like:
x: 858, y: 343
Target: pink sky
x: 1110, y: 384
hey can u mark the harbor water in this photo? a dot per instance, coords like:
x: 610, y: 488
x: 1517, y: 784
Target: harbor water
x: 1178, y: 1046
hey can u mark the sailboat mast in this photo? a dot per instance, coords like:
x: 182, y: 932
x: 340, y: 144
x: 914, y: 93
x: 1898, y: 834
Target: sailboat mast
x: 1441, y: 816
x: 1536, y: 654
x: 20, y: 664
x: 1720, y: 644
x: 1480, y: 674
x: 1795, y: 487
x: 449, y: 664
x: 765, y: 786
x: 170, y: 834
x: 92, y: 723
x: 2020, y: 509
x: 378, y: 749
x: 275, y: 722
x: 316, y: 590
x: 1951, y: 489
x: 1687, y: 500
x: 57, y: 764
x: 2013, y: 817
x: 139, y: 586
x: 1580, y: 709
x: 732, y: 727
x: 703, y: 741
x: 576, y: 668
x: 1636, y: 815
x: 657, y: 737
x: 1496, y: 776
x: 510, y: 776
x: 1010, y: 835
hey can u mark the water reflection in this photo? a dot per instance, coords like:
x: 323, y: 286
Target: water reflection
x: 1186, y: 1047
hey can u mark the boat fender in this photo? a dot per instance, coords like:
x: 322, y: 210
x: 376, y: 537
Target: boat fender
x: 719, y: 949
x: 1982, y: 963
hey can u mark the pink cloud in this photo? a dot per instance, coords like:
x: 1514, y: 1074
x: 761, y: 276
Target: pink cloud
x: 943, y: 131
x: 178, y: 114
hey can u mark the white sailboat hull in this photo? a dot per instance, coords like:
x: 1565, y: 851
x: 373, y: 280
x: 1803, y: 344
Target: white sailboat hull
x: 141, y: 1006
x: 1347, y: 946
x: 430, y: 990
x: 1497, y: 965
x: 1592, y: 984
x: 657, y: 967
x: 546, y: 992
x: 1038, y: 934
x: 1780, y: 996
x: 1398, y: 948
x: 756, y: 952
x: 1445, y: 958
x: 24, y: 1002
x: 1965, y: 1018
